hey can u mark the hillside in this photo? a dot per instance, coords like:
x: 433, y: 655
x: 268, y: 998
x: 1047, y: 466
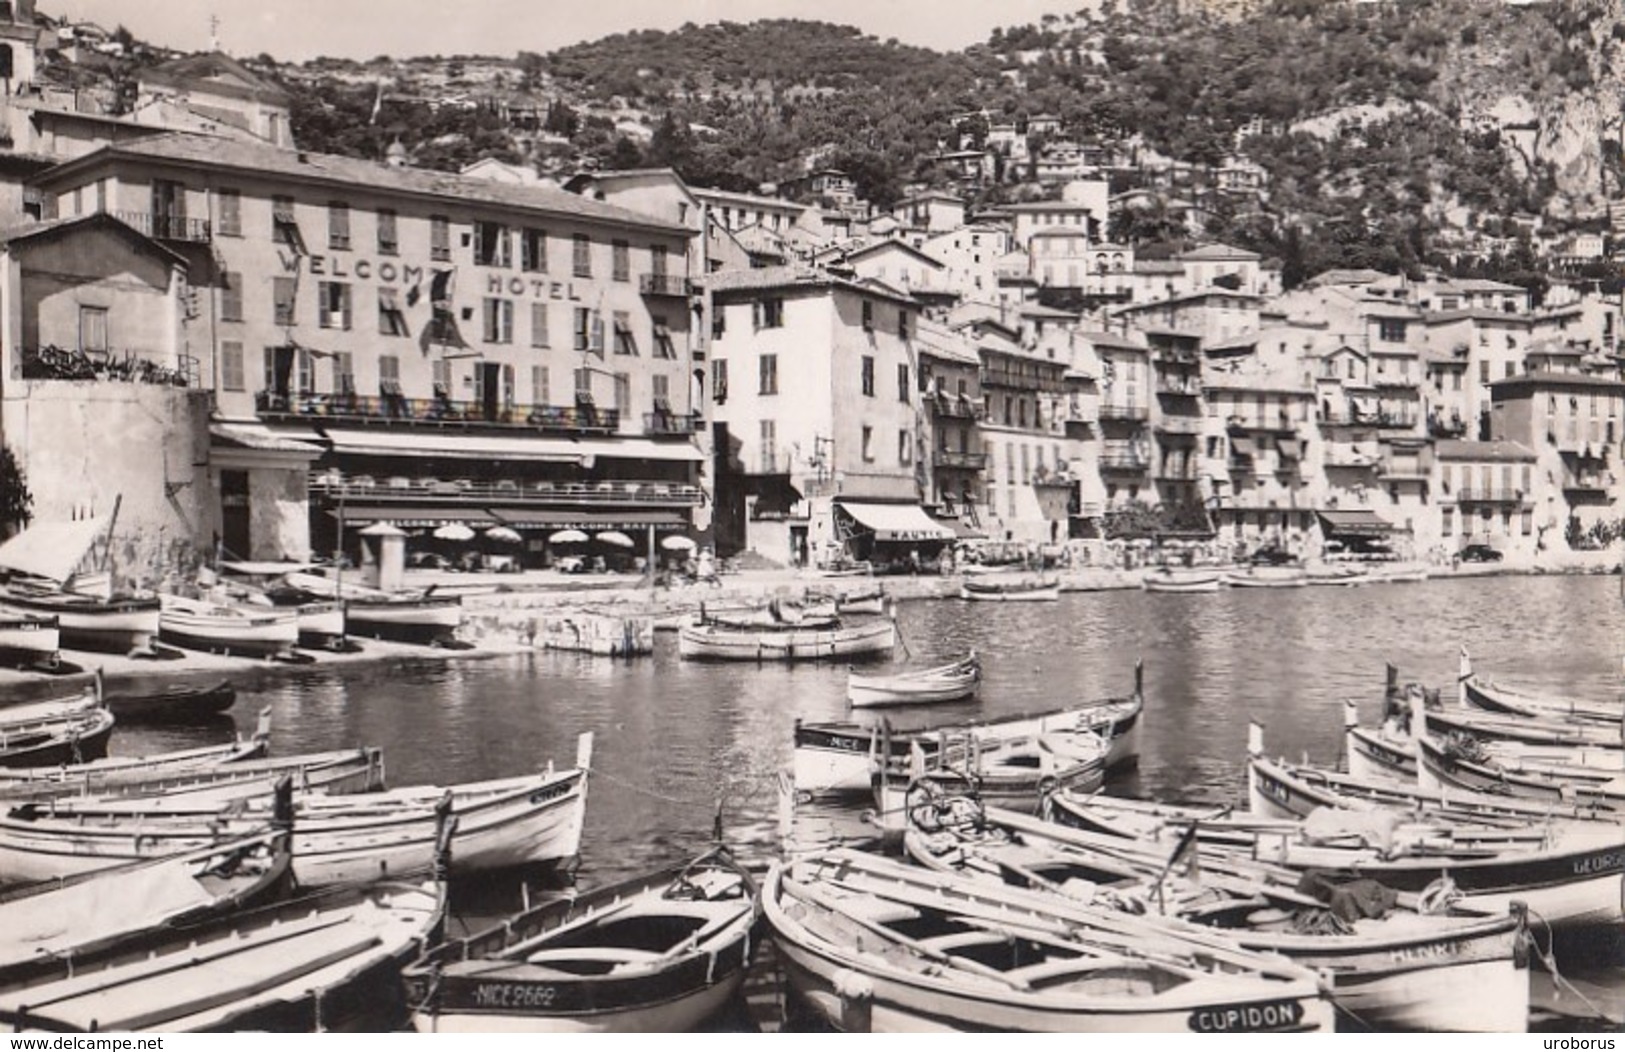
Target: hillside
x: 1379, y: 126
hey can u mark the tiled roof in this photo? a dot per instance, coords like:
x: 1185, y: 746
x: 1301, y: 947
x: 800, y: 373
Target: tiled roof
x: 1444, y: 317
x: 216, y: 154
x: 42, y: 228
x: 1113, y: 340
x: 1216, y: 251
x: 791, y: 277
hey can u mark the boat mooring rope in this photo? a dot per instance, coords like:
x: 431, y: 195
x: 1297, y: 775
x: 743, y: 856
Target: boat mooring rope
x: 1549, y: 959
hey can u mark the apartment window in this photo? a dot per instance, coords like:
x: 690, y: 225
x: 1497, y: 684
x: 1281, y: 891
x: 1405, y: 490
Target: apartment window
x: 625, y: 341
x: 623, y: 392
x: 719, y: 381
x: 492, y: 245
x: 719, y: 321
x: 868, y: 316
x: 902, y: 381
x: 1447, y: 521
x: 231, y: 366
x: 304, y: 372
x: 768, y: 313
x: 768, y: 374
x: 770, y: 447
x: 389, y: 375
x: 581, y: 258
x: 1483, y: 372
x: 344, y: 373
x: 389, y: 240
x: 660, y: 390
x: 621, y: 261
x: 868, y: 443
x: 1511, y: 370
x: 231, y: 212
x: 869, y: 375
x: 902, y: 324
x: 583, y: 386
x: 498, y: 320
x: 662, y: 341
x: 93, y: 330
x: 440, y: 374
x: 539, y: 394
x: 284, y: 298
x: 533, y: 249
x: 589, y: 331
x: 1391, y: 331
x: 338, y: 226
x: 538, y: 326
x: 231, y: 295
x: 391, y: 318
x: 334, y: 297
x: 439, y: 238
x: 657, y: 263
x: 285, y: 224
x: 905, y: 447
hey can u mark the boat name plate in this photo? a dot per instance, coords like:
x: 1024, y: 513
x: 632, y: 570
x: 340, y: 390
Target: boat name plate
x: 1250, y: 1018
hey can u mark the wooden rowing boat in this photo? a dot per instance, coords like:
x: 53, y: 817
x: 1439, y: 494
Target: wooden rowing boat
x: 1267, y: 577
x: 659, y: 954
x: 45, y: 742
x: 838, y: 758
x: 123, y: 908
x: 1404, y: 962
x: 1480, y: 693
x: 871, y: 945
x: 953, y: 681
x: 199, y: 624
x: 1181, y: 581
x: 1568, y: 873
x: 710, y: 641
x: 171, y: 703
x: 1010, y: 588
x: 532, y: 820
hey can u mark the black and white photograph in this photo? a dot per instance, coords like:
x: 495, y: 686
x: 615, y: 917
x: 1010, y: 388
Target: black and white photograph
x: 775, y: 516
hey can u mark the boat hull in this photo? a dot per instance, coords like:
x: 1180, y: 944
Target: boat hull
x: 78, y: 740
x: 947, y: 683
x: 715, y: 643
x: 423, y: 621
x: 25, y: 638
x: 173, y: 705
x: 1180, y: 584
x: 983, y: 592
x: 115, y: 626
x: 229, y: 630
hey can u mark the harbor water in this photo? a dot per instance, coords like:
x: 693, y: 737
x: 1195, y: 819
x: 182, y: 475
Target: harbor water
x: 674, y: 739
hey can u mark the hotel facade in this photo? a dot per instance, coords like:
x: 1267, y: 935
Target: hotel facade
x: 410, y: 346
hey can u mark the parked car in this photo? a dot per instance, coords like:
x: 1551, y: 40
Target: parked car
x: 1479, y: 553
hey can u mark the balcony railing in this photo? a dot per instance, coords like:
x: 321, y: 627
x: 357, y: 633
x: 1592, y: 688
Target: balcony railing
x: 670, y: 423
x: 957, y: 407
x: 947, y: 458
x: 1121, y: 459
x: 1124, y: 412
x: 1054, y: 480
x: 162, y: 227
x: 1177, y: 473
x: 1405, y: 469
x: 435, y: 412
x: 1179, y: 425
x: 1587, y: 481
x: 1489, y: 495
x: 1349, y: 458
x: 1023, y: 380
x: 503, y: 491
x: 1177, y: 385
x: 1453, y: 428
x: 664, y: 285
x: 1280, y: 424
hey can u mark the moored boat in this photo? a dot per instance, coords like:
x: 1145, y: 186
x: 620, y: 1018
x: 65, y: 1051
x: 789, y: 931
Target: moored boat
x: 41, y: 565
x: 1568, y: 873
x: 706, y: 640
x: 199, y: 624
x: 1010, y: 588
x: 1477, y: 692
x: 1016, y: 772
x: 171, y: 703
x: 328, y: 961
x: 871, y: 945
x: 27, y: 639
x: 841, y: 757
x: 531, y: 820
x: 1396, y: 961
x: 120, y: 908
x: 658, y: 954
x: 953, y: 681
x: 73, y: 739
x: 866, y: 601
x: 1336, y: 574
x: 1267, y: 577
x: 1168, y: 579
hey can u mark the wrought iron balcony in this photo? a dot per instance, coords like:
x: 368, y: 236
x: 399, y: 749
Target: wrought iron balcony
x: 1123, y: 458
x: 1109, y: 411
x: 1179, y: 425
x: 164, y: 227
x: 1054, y: 480
x: 1489, y: 495
x: 401, y: 411
x: 664, y: 285
x: 956, y: 407
x: 1587, y: 481
x: 511, y: 492
x: 948, y: 458
x: 670, y: 423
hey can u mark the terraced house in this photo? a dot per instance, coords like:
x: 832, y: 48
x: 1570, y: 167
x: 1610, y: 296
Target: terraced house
x: 411, y: 346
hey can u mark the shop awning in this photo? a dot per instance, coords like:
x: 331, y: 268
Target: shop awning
x: 897, y: 522
x: 1244, y: 445
x: 262, y: 439
x: 414, y: 514
x: 455, y: 445
x: 963, y: 530
x: 1356, y: 522
x: 639, y: 449
x: 589, y: 518
x: 1291, y: 448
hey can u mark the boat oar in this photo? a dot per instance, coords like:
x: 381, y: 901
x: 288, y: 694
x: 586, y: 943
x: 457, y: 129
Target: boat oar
x: 824, y: 902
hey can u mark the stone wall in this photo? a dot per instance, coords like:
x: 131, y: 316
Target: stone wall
x: 86, y: 445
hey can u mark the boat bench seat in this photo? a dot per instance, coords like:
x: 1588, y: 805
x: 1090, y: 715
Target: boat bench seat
x: 616, y: 954
x: 954, y: 940
x: 1056, y: 967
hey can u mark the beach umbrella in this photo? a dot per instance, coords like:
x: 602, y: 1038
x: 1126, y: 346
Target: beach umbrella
x: 454, y: 531
x: 617, y: 538
x: 566, y: 537
x: 383, y: 529
x: 506, y: 534
x: 678, y: 543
